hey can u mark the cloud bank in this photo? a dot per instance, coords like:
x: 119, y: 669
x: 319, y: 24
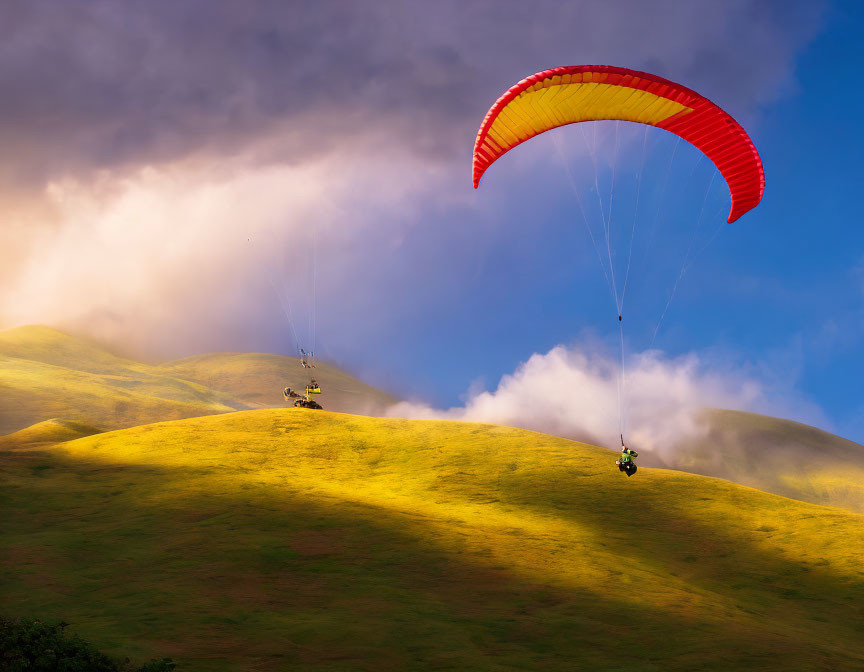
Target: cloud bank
x: 100, y: 85
x: 147, y: 146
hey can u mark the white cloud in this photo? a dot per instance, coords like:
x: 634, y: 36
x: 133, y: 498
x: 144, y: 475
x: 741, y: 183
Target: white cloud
x: 141, y: 259
x: 573, y: 392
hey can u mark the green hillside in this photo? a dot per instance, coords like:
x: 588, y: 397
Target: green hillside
x: 41, y: 377
x: 46, y: 374
x: 53, y: 347
x: 292, y: 540
x: 779, y: 456
x: 47, y: 432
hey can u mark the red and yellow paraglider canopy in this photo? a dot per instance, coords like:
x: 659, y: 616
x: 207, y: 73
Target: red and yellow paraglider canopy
x: 571, y: 94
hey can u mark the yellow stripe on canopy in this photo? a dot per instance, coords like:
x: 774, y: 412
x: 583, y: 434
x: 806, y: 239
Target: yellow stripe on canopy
x: 548, y: 105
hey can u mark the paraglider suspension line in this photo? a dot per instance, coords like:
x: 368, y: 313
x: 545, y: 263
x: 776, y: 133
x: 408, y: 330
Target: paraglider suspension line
x: 635, y: 219
x: 621, y: 387
x: 685, y: 262
x: 584, y: 216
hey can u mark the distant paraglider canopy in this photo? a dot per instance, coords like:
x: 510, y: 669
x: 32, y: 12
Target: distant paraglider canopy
x: 576, y: 93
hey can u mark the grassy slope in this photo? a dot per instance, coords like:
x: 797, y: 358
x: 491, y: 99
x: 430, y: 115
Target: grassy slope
x: 257, y: 380
x: 45, y: 374
x: 290, y: 540
x: 779, y: 456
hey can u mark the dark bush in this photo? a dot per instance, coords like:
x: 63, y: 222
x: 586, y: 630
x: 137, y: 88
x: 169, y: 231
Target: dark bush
x: 29, y: 645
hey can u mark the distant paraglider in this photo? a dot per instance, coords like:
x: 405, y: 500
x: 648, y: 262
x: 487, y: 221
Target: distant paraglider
x: 307, y: 359
x: 304, y: 400
x: 574, y: 94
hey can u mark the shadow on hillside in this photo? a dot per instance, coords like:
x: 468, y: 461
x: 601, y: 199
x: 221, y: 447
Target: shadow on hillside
x: 641, y: 524
x: 272, y: 579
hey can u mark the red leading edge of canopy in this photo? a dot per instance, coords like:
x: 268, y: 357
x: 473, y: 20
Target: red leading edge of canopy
x: 711, y: 130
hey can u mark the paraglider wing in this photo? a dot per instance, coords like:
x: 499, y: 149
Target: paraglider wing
x: 571, y: 94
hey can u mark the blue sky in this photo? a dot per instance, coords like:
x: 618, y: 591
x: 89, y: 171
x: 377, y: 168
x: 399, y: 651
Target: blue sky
x: 807, y: 249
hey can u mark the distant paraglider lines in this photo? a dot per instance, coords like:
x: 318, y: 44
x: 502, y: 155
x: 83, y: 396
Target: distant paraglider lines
x: 282, y: 293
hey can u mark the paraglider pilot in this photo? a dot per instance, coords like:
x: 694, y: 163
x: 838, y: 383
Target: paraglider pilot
x: 625, y: 462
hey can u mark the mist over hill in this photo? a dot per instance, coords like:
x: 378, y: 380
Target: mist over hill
x: 772, y: 454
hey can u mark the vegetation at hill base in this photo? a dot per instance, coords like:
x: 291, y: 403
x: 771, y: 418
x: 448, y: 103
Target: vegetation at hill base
x: 31, y: 645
